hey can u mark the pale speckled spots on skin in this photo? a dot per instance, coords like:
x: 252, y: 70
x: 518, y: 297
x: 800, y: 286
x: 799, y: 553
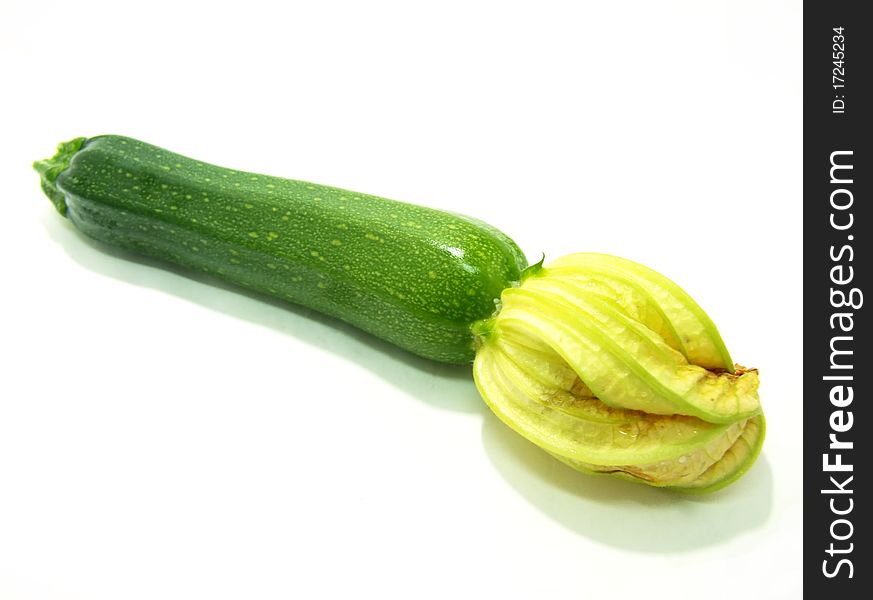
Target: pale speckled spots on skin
x: 354, y: 272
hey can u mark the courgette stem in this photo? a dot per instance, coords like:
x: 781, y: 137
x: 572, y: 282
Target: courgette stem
x: 50, y: 168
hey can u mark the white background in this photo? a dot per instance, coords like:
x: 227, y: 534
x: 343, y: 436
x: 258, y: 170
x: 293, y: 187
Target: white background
x: 165, y: 438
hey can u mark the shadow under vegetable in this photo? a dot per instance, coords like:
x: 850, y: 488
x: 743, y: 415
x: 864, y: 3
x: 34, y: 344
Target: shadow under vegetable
x: 625, y: 514
x: 601, y: 508
x: 444, y: 386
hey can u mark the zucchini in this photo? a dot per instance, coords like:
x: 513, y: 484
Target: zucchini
x: 602, y: 362
x: 414, y: 276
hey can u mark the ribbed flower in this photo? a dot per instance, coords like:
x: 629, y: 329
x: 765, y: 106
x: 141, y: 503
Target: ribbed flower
x: 613, y: 368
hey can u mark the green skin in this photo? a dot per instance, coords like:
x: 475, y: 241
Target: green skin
x: 414, y: 276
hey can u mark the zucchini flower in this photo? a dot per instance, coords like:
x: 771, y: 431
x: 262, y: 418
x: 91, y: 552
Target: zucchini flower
x: 613, y: 368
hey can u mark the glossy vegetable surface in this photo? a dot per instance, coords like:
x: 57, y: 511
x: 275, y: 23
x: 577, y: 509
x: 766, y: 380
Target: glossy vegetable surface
x: 414, y: 276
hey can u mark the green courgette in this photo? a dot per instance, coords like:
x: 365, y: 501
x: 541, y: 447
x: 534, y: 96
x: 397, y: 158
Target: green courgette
x: 414, y: 276
x: 603, y: 363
